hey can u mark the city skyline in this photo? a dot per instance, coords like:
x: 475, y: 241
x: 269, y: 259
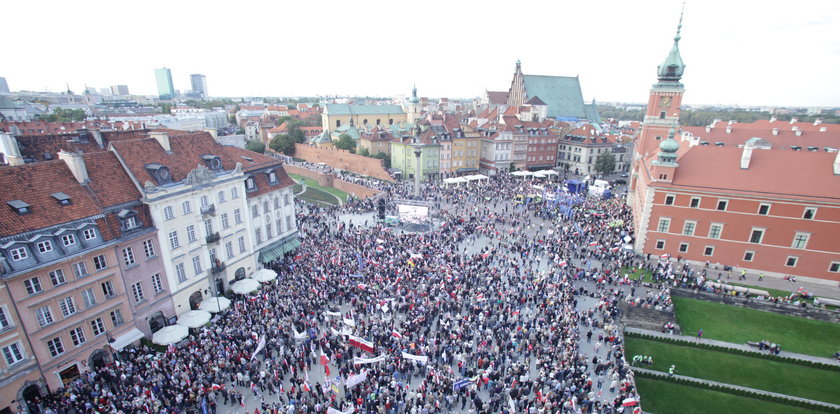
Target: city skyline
x: 736, y: 53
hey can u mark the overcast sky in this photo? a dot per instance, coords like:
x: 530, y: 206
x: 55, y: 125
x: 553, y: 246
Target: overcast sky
x: 745, y: 52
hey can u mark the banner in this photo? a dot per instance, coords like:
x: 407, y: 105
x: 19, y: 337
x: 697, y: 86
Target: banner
x: 355, y: 380
x: 421, y: 359
x: 360, y: 361
x: 350, y: 322
x: 299, y: 335
x: 260, y: 347
x: 361, y: 343
x: 331, y: 410
x: 333, y: 314
x: 463, y: 382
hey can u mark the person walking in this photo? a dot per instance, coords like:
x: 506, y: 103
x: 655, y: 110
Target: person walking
x: 700, y: 334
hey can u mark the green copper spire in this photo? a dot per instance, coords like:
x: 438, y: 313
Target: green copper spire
x: 671, y: 70
x: 668, y: 150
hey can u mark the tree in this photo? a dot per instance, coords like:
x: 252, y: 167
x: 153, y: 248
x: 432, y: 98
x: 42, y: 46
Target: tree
x: 386, y: 160
x: 364, y: 152
x: 283, y: 143
x: 605, y: 163
x: 166, y: 108
x: 65, y: 115
x: 346, y: 142
x: 255, y: 146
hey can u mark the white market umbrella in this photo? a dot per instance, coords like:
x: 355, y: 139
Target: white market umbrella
x: 194, y: 318
x: 245, y: 286
x: 214, y: 304
x: 169, y: 335
x: 264, y: 275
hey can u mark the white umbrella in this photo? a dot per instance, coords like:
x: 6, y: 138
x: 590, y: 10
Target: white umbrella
x: 264, y: 275
x: 170, y: 334
x: 215, y: 304
x: 245, y: 286
x: 194, y: 318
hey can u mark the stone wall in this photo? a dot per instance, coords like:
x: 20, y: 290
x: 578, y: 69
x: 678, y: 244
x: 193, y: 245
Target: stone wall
x: 808, y: 312
x: 647, y: 318
x: 359, y: 191
x: 329, y: 180
x: 343, y: 160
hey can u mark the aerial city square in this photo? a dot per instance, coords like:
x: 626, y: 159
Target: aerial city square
x: 389, y: 208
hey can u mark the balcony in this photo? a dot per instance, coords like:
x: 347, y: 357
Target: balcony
x: 213, y: 237
x: 217, y: 268
x: 209, y: 210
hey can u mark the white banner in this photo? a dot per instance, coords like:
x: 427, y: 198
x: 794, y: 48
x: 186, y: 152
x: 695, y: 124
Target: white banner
x: 359, y: 360
x: 421, y: 359
x: 355, y: 379
x: 260, y: 347
x: 331, y: 410
x: 335, y: 314
x: 350, y: 322
x: 299, y: 335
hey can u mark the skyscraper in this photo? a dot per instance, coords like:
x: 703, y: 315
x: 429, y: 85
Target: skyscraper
x: 119, y: 90
x: 199, y: 84
x: 164, y: 83
x: 4, y: 87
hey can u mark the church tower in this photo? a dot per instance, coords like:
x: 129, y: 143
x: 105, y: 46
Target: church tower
x: 663, y: 108
x: 517, y: 93
x: 413, y: 110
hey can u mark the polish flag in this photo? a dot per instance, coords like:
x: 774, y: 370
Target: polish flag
x: 306, y: 382
x: 563, y: 263
x: 614, y: 249
x: 593, y: 244
x: 396, y: 334
x: 361, y: 343
x: 216, y: 387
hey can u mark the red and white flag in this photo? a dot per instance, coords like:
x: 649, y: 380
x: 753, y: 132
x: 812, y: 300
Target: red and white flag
x: 306, y: 382
x: 396, y: 334
x: 593, y: 244
x: 362, y: 344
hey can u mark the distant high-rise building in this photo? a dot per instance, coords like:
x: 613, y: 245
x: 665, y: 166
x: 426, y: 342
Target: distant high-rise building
x: 4, y: 87
x: 120, y: 90
x: 199, y: 84
x: 166, y: 90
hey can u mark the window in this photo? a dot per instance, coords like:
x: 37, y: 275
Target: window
x: 108, y: 289
x: 89, y: 234
x: 130, y: 223
x: 715, y: 230
x: 234, y: 193
x: 258, y: 234
x: 88, y: 298
x: 287, y: 200
x: 757, y: 235
x: 748, y: 256
x: 229, y: 249
x: 265, y: 206
x: 709, y: 251
x: 664, y: 224
x: 137, y: 291
x: 97, y: 326
x: 33, y: 285
x: 167, y: 213
x: 834, y: 267
x: 721, y: 205
x: 255, y: 211
x: 157, y: 284
x: 225, y: 222
x: 276, y: 203
x: 800, y: 240
x: 237, y: 216
x: 68, y: 239
x: 45, y: 246
x: 190, y: 234
x: 149, y: 248
x: 791, y: 261
x: 695, y: 202
x: 249, y: 184
x: 288, y: 222
x: 809, y: 213
x: 13, y: 353
x: 272, y: 177
x: 182, y: 274
x: 683, y: 247
x: 187, y: 207
x: 80, y: 269
x: 55, y: 346
x: 116, y: 317
x: 279, y: 224
x: 128, y: 256
x: 660, y: 244
x: 19, y: 254
x: 68, y: 306
x: 173, y: 240
x: 208, y: 227
x: 78, y: 336
x: 241, y: 244
x: 688, y: 227
x: 44, y: 316
x: 196, y: 261
x: 669, y: 200
x: 4, y: 319
x: 662, y: 115
x: 99, y: 262
x: 764, y: 209
x: 205, y: 201
x: 220, y: 196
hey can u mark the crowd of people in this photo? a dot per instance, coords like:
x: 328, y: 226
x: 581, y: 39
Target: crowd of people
x: 484, y: 313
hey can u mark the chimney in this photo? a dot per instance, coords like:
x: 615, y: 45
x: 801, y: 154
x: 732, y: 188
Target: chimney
x: 745, y: 157
x: 837, y: 164
x: 794, y: 120
x: 798, y: 132
x: 775, y: 131
x: 773, y: 119
x: 708, y: 128
x: 731, y: 122
x: 76, y: 164
x: 162, y: 138
x: 729, y: 129
x: 98, y: 137
x: 817, y: 121
x: 823, y: 129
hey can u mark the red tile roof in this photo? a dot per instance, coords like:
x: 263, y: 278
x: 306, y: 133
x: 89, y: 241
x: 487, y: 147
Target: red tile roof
x: 33, y: 184
x: 497, y: 97
x: 740, y: 133
x: 109, y: 183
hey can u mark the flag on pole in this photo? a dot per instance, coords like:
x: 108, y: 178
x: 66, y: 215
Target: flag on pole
x: 306, y: 382
x: 361, y: 343
x: 260, y: 347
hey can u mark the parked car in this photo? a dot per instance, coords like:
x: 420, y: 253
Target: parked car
x: 619, y: 181
x: 624, y: 174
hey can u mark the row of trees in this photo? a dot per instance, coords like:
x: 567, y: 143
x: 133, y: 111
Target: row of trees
x: 703, y: 117
x: 65, y: 115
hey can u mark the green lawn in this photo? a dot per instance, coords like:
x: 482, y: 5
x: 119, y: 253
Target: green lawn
x: 319, y: 197
x: 784, y: 378
x: 310, y: 183
x: 739, y: 325
x: 662, y: 397
x: 635, y: 274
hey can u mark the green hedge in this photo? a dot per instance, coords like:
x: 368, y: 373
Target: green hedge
x: 738, y: 392
x: 718, y: 348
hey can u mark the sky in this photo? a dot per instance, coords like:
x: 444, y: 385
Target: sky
x: 744, y: 52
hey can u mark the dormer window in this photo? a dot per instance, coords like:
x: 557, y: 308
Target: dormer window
x: 250, y: 184
x: 62, y: 198
x: 159, y: 172
x: 18, y: 254
x: 128, y: 219
x: 272, y: 176
x: 213, y: 162
x: 19, y: 207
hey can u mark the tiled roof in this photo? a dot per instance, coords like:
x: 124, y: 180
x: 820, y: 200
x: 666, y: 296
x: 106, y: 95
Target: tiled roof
x: 535, y: 101
x: 741, y: 132
x: 561, y: 93
x: 33, y: 184
x: 497, y: 97
x: 259, y: 164
x: 109, y: 182
x: 771, y: 172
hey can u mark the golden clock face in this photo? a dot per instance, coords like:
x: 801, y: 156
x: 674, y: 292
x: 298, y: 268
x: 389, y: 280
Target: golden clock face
x: 664, y: 101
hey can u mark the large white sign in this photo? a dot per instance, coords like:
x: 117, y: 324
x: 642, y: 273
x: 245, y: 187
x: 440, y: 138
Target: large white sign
x: 413, y: 214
